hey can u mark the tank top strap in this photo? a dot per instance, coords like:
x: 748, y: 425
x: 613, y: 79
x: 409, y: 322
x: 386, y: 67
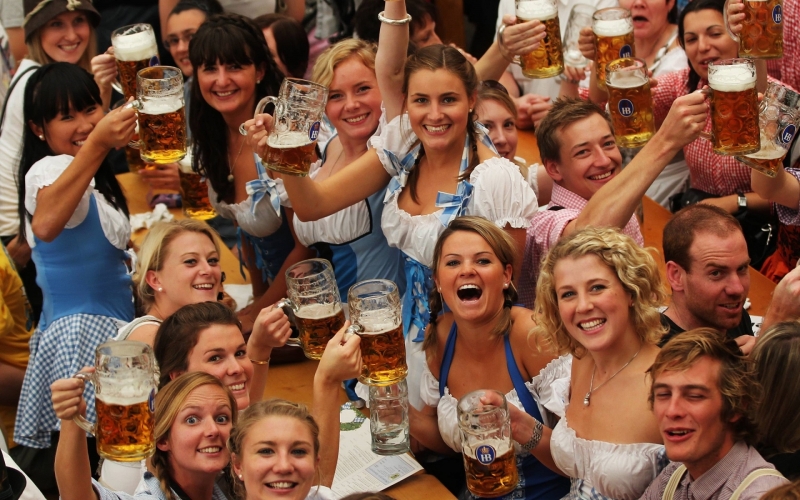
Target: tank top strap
x: 447, y: 359
x: 525, y: 397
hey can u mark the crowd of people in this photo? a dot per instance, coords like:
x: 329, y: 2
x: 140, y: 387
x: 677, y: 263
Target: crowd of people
x: 528, y: 279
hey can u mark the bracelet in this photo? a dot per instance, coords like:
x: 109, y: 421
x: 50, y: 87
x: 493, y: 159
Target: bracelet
x: 394, y: 22
x: 257, y: 362
x: 533, y: 442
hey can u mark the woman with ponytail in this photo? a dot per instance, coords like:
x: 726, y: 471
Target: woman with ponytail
x: 194, y: 417
x: 467, y: 346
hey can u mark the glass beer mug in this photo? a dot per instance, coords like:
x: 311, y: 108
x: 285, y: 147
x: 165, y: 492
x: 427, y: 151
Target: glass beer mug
x: 734, y: 107
x: 630, y: 102
x: 580, y: 17
x: 376, y: 317
x: 125, y: 382
x: 548, y: 59
x: 162, y: 120
x: 762, y: 29
x: 388, y: 418
x: 297, y: 119
x: 779, y: 115
x: 314, y: 300
x: 135, y: 48
x: 613, y: 38
x: 194, y: 191
x: 489, y: 458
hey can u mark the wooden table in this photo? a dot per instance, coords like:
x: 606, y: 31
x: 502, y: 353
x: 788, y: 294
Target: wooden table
x: 136, y: 194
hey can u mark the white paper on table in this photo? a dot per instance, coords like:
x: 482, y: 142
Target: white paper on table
x: 242, y: 294
x: 358, y: 469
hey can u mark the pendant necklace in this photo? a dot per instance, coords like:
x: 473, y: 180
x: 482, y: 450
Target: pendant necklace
x: 232, y: 166
x: 592, y: 388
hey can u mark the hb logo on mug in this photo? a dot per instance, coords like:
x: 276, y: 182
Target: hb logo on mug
x: 485, y: 454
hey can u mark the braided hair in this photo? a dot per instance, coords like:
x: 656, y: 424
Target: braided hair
x: 224, y: 39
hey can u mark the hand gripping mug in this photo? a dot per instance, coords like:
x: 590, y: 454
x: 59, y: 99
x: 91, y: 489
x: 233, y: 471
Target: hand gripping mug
x: 388, y: 418
x: 314, y: 300
x: 734, y: 107
x: 630, y: 102
x: 489, y: 458
x: 125, y: 382
x: 762, y: 29
x: 376, y: 318
x: 162, y: 120
x: 613, y: 39
x: 779, y: 116
x: 297, y: 120
x: 548, y: 59
x: 135, y: 48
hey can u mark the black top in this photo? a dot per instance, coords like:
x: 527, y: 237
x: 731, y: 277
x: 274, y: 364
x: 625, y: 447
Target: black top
x: 744, y: 328
x: 787, y: 464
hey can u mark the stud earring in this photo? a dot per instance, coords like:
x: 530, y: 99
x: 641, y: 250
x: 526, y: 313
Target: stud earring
x: 505, y: 285
x: 160, y: 289
x: 240, y: 477
x: 258, y: 81
x: 41, y: 137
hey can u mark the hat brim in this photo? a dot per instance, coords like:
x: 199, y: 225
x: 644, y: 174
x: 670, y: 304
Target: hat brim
x: 54, y: 8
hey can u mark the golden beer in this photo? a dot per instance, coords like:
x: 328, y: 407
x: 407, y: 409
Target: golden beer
x: 317, y: 326
x: 548, y: 59
x: 734, y: 107
x: 125, y: 431
x: 767, y: 161
x: 290, y: 153
x: 127, y: 71
x: 134, y: 159
x: 613, y: 39
x: 384, y: 356
x: 162, y: 133
x: 194, y: 195
x: 762, y: 29
x: 490, y: 474
x: 630, y: 102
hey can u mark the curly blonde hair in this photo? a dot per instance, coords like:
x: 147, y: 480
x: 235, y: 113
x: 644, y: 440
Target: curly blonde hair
x: 635, y: 268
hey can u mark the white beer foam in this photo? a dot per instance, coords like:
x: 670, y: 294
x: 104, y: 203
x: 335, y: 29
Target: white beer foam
x: 612, y: 27
x: 376, y: 322
x: 286, y: 140
x: 540, y: 10
x: 731, y: 78
x: 162, y: 106
x: 317, y: 311
x: 626, y: 80
x: 769, y: 151
x: 135, y: 47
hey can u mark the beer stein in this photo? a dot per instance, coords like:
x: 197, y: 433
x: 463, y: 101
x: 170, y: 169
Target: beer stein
x: 779, y: 115
x: 194, y: 191
x: 734, y: 107
x: 135, y: 48
x: 580, y: 17
x: 548, y: 59
x: 613, y: 38
x: 630, y: 102
x: 314, y: 300
x: 489, y: 458
x: 388, y: 418
x: 297, y: 119
x: 160, y: 108
x: 376, y: 317
x: 762, y: 29
x: 125, y: 382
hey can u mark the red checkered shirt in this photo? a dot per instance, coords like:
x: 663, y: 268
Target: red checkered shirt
x: 787, y: 68
x: 790, y: 215
x: 546, y: 229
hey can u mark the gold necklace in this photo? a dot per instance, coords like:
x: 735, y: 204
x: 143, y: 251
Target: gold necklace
x: 232, y: 165
x: 591, y: 383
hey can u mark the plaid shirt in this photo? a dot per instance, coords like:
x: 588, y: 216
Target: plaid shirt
x: 786, y: 69
x: 788, y: 215
x: 546, y: 229
x: 721, y: 480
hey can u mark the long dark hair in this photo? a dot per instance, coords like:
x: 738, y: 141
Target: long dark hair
x: 51, y: 91
x: 224, y: 39
x: 696, y: 6
x: 291, y: 41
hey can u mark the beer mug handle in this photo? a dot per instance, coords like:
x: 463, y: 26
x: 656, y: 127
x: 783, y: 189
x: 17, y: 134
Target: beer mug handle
x: 352, y: 330
x: 79, y: 419
x: 514, y: 59
x: 284, y: 304
x: 259, y: 110
x: 725, y: 22
x: 706, y: 135
x: 137, y: 105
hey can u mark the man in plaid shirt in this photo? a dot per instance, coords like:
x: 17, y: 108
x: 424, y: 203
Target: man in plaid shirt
x: 590, y: 188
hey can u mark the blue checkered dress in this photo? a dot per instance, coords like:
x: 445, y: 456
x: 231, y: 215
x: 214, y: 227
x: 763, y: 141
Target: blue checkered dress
x: 67, y: 345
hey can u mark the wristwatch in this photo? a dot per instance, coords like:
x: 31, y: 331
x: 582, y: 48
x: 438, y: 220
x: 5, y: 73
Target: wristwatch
x: 741, y: 201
